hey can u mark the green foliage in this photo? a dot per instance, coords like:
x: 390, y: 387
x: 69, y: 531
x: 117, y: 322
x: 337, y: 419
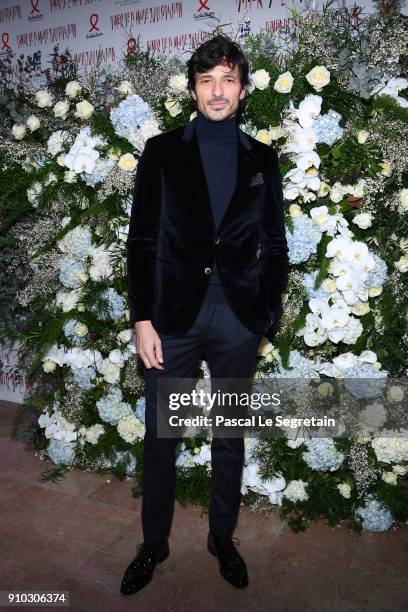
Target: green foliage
x: 395, y: 498
x: 193, y: 486
x: 54, y: 474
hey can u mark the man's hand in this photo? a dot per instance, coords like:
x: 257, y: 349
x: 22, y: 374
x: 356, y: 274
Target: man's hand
x: 148, y: 345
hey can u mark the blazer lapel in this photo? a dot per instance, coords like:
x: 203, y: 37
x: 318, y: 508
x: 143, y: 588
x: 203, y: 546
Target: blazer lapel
x: 199, y: 182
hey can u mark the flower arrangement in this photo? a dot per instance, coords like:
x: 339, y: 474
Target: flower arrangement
x: 70, y: 154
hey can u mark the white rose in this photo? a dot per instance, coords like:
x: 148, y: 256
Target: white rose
x: 127, y: 162
x: 43, y: 98
x: 73, y: 89
x: 19, y: 131
x: 61, y: 109
x: 49, y: 366
x: 125, y: 88
x: 403, y: 201
x: 265, y: 347
x: 178, y: 83
x: 125, y: 335
x: 284, y: 83
x: 261, y: 79
x: 362, y: 136
x: 84, y: 109
x: 400, y: 470
x: 173, y: 106
x: 325, y: 389
x: 33, y: 123
x: 363, y: 220
x: 263, y: 136
x: 386, y: 168
x: 323, y: 190
x: 295, y: 210
x: 390, y: 478
x: 402, y: 264
x: 81, y: 329
x: 359, y: 189
x: 329, y: 285
x: 344, y: 489
x: 61, y: 160
x: 374, y: 291
x: 318, y: 77
x: 336, y: 194
x: 361, y: 309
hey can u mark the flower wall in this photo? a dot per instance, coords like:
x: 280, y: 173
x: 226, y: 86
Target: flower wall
x: 70, y: 151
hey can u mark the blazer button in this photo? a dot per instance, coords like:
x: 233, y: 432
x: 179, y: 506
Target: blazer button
x: 217, y: 240
x: 207, y: 270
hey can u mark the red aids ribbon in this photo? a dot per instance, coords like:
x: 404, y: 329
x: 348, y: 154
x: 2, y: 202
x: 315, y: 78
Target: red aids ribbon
x: 93, y: 20
x: 5, y: 37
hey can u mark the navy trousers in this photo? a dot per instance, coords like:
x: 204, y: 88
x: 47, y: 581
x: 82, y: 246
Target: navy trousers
x: 230, y: 350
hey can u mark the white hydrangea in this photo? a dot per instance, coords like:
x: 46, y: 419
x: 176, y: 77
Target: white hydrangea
x: 94, y: 432
x: 130, y: 428
x: 55, y: 142
x: 296, y: 491
x: 109, y: 370
x: 100, y: 264
x: 393, y: 448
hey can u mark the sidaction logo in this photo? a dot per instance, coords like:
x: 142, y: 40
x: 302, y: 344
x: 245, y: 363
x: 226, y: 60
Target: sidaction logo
x: 94, y: 29
x: 35, y: 14
x: 204, y: 10
x: 5, y: 43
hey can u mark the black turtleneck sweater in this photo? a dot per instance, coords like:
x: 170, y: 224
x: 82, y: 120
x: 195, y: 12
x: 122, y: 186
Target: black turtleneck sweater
x: 218, y: 148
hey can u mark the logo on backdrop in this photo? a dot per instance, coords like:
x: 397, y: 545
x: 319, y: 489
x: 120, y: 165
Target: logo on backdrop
x: 132, y: 46
x: 35, y: 14
x: 5, y: 42
x: 245, y: 28
x: 94, y: 29
x: 203, y: 10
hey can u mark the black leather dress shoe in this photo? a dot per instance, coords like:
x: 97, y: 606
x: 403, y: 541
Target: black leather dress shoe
x: 140, y: 571
x: 232, y: 565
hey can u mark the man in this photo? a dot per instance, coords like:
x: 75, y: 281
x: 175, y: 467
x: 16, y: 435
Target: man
x: 207, y: 263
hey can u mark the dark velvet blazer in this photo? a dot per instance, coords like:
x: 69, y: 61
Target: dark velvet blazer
x: 173, y: 243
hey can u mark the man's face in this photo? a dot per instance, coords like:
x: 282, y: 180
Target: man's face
x: 218, y: 92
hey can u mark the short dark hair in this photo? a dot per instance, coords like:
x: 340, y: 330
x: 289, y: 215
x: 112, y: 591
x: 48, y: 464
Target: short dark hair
x: 216, y: 51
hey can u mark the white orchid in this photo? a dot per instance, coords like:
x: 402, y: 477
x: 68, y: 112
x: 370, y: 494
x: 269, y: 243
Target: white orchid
x: 308, y: 110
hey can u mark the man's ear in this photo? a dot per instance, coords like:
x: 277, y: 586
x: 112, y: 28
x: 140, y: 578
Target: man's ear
x: 242, y: 93
x: 193, y: 95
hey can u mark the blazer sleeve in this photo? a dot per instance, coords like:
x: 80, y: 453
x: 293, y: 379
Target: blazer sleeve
x: 141, y: 243
x: 273, y: 245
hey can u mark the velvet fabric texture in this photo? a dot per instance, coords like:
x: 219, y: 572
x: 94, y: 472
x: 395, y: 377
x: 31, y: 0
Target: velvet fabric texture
x: 173, y: 242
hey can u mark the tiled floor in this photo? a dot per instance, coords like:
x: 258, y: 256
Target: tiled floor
x: 80, y: 534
